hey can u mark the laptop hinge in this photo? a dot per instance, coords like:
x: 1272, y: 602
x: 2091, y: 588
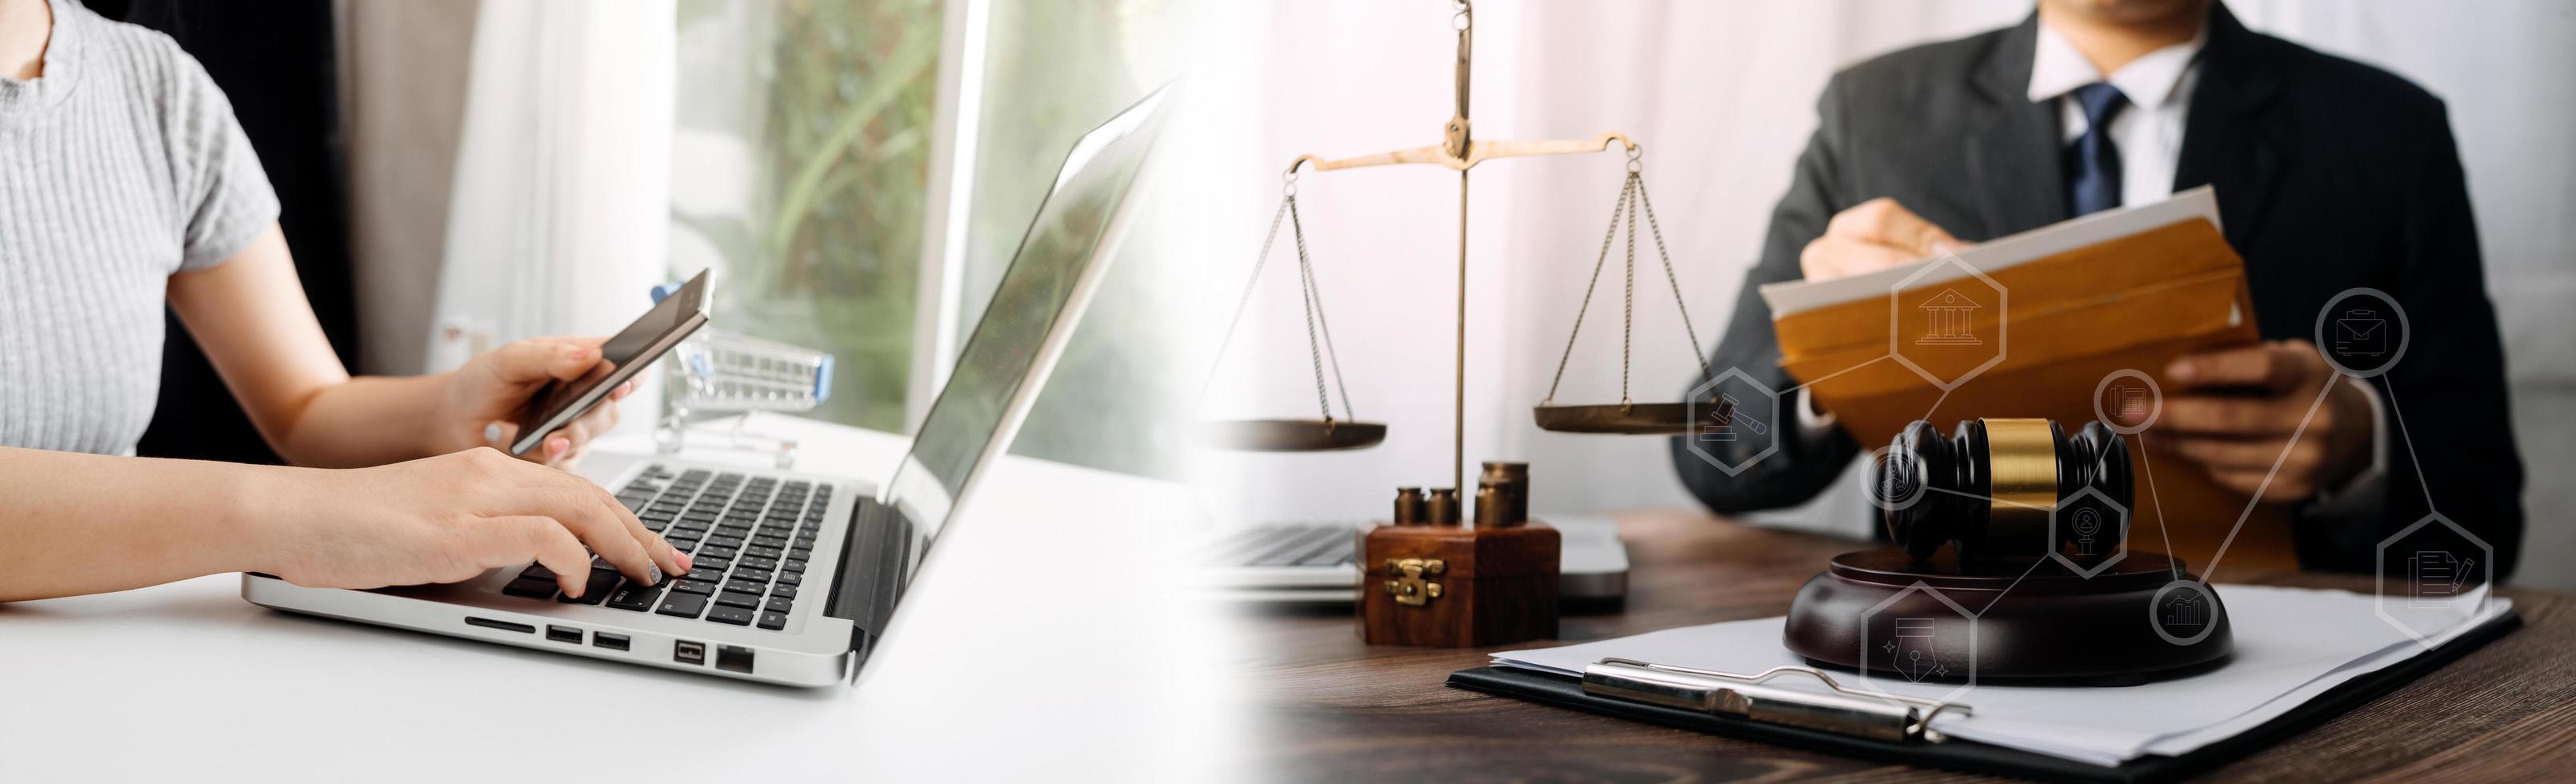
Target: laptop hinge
x: 873, y: 559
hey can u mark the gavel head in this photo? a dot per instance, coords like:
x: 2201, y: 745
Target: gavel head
x: 2005, y: 488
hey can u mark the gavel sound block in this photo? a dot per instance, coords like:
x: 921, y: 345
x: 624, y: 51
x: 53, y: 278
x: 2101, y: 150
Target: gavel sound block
x: 1429, y: 581
x: 2008, y: 568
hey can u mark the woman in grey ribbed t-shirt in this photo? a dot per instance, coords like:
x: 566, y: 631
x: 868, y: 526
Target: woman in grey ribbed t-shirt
x: 125, y: 185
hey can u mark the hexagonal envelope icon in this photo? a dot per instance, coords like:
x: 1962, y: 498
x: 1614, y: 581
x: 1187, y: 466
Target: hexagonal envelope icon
x: 1917, y: 637
x: 1947, y: 322
x: 2431, y: 576
x: 2092, y: 525
x: 1734, y: 421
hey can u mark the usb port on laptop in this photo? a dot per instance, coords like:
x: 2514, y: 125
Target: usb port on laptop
x: 614, y: 642
x: 563, y: 634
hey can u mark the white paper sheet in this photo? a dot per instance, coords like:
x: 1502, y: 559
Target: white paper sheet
x: 2291, y: 645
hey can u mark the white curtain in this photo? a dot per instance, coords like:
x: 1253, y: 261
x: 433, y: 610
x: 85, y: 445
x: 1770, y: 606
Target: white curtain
x: 559, y: 219
x: 1722, y: 96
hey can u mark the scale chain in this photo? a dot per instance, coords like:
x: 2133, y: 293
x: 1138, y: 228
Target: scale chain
x: 1241, y: 303
x: 1669, y: 277
x: 1628, y: 304
x: 1306, y: 297
x: 1315, y: 293
x: 1617, y: 207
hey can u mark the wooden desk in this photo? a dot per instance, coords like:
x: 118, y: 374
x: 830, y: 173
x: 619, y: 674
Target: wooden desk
x: 1339, y: 710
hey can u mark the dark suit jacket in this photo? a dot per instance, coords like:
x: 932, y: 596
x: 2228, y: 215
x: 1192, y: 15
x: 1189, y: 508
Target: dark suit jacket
x: 2330, y: 175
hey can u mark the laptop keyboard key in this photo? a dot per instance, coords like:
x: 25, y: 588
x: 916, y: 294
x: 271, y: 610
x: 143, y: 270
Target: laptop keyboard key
x: 683, y: 605
x: 747, y: 586
x: 692, y: 587
x: 596, y: 590
x: 704, y: 575
x: 634, y: 597
x: 713, y: 551
x: 734, y: 615
x: 738, y: 599
x: 783, y: 591
x: 771, y: 620
x: 531, y: 587
x: 778, y: 604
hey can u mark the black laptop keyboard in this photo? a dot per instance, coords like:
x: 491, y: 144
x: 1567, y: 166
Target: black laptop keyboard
x: 750, y: 537
x: 1291, y: 544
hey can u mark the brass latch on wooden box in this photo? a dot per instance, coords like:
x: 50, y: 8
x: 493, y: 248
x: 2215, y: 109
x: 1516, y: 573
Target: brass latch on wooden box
x: 1410, y: 586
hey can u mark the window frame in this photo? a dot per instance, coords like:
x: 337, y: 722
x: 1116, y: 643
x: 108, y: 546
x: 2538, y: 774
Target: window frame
x: 956, y: 122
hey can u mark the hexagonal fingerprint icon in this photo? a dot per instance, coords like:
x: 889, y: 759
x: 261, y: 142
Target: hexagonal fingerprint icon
x: 1947, y: 322
x: 1734, y: 421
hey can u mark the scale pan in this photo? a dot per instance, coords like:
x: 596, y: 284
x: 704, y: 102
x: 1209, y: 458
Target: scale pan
x: 1291, y: 435
x: 1638, y: 419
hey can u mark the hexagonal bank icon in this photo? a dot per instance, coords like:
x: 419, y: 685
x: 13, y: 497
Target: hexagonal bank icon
x: 1919, y: 641
x: 1720, y: 427
x: 1951, y: 328
x: 2441, y: 583
x: 2094, y: 526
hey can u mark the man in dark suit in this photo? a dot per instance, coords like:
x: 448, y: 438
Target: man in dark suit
x: 2330, y: 175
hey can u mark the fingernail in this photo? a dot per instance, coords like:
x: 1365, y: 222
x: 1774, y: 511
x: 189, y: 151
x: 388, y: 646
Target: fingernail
x: 686, y: 563
x: 652, y: 574
x: 557, y: 446
x: 492, y: 433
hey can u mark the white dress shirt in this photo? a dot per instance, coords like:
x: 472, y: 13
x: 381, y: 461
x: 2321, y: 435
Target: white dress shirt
x: 2149, y: 132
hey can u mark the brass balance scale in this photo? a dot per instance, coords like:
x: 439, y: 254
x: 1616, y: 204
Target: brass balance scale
x: 1430, y: 580
x: 1460, y: 151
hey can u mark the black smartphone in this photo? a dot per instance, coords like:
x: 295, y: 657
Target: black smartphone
x: 560, y: 402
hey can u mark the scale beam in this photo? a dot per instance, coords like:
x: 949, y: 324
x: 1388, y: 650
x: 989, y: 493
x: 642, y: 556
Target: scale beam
x: 1477, y: 152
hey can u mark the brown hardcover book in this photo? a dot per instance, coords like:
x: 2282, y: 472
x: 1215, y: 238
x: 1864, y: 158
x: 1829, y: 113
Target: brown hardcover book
x: 2035, y: 325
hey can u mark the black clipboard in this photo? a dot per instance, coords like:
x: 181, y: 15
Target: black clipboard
x: 1972, y: 757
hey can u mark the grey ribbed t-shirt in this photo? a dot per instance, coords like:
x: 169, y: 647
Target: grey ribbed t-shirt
x: 120, y: 166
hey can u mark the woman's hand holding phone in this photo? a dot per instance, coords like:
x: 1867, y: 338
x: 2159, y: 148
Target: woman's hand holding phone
x: 485, y: 397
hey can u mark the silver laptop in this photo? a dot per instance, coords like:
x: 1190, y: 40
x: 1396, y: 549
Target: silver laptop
x: 797, y: 575
x: 1318, y: 562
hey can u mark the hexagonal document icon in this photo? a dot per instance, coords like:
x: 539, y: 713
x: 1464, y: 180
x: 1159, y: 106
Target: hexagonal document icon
x: 1724, y: 434
x: 1947, y: 323
x: 2095, y: 527
x: 1907, y: 640
x: 2428, y: 581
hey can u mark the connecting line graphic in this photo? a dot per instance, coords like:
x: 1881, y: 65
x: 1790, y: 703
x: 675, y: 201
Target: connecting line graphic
x: 2150, y: 463
x: 1821, y: 379
x: 2210, y: 574
x: 2034, y: 564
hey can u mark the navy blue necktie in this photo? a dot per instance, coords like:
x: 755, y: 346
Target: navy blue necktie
x: 2093, y: 164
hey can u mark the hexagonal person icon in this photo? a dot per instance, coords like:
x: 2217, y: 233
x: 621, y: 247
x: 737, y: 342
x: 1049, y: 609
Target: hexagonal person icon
x: 2432, y: 575
x: 2088, y: 532
x: 1947, y: 322
x: 1918, y: 636
x: 1734, y: 421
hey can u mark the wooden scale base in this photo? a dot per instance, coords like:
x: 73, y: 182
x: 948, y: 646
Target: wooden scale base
x: 2132, y: 622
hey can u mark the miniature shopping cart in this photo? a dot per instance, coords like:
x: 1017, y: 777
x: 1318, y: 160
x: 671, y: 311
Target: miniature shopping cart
x: 719, y: 373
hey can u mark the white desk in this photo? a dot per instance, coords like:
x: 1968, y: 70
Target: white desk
x: 1039, y: 644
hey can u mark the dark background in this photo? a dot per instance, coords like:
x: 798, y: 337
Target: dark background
x: 277, y: 61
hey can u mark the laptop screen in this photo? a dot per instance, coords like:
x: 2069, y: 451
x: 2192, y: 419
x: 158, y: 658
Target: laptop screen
x: 1015, y: 344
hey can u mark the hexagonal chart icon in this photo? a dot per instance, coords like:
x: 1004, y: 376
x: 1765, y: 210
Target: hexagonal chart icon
x: 1918, y: 636
x: 1723, y: 432
x: 1947, y: 322
x: 2091, y: 525
x: 2431, y: 576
